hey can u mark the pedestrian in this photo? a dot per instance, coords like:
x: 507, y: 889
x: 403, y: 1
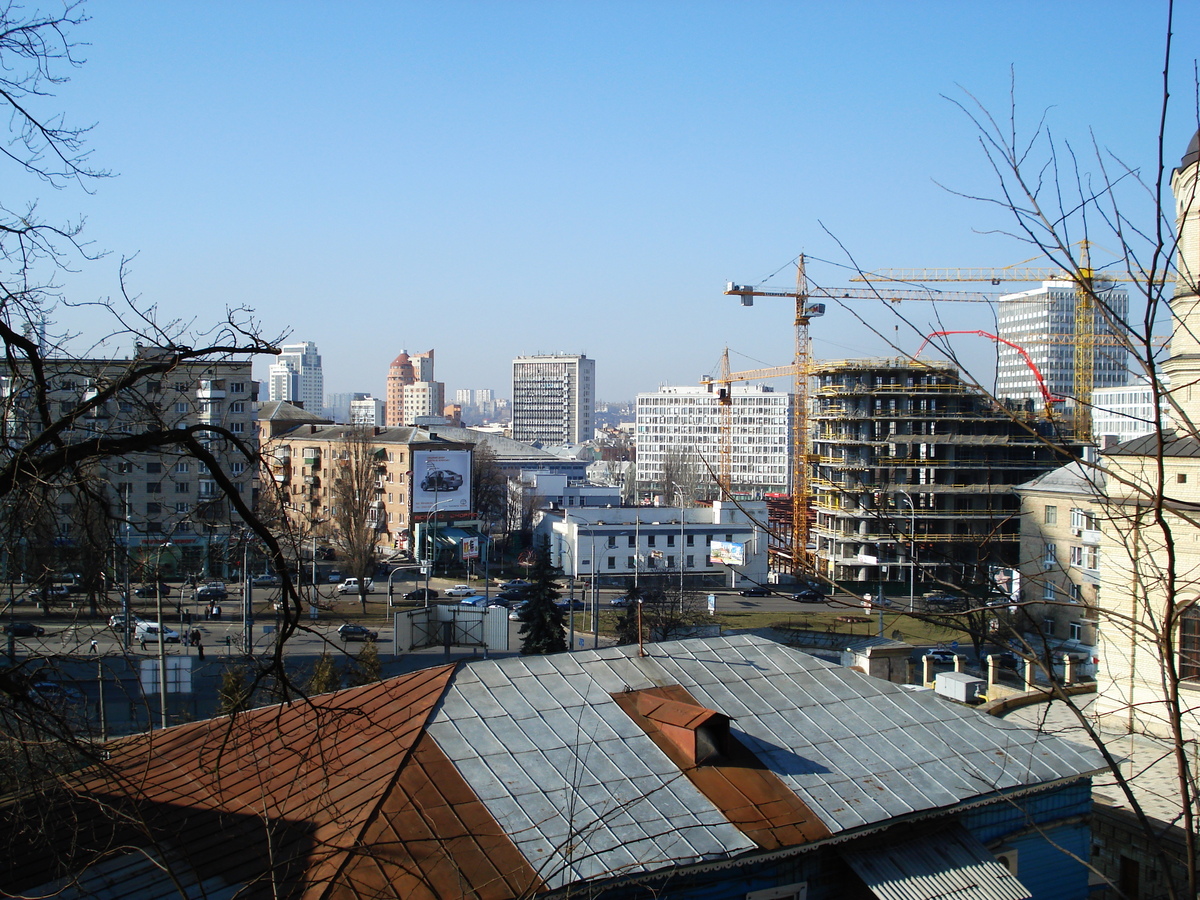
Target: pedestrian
x: 143, y: 642
x: 199, y: 648
x: 94, y: 647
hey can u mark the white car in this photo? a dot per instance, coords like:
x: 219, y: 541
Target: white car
x: 148, y: 631
x: 461, y: 590
x: 350, y: 586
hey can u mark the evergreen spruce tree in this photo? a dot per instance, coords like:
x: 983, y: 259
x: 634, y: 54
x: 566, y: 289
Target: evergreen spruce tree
x: 542, y: 628
x: 325, y: 676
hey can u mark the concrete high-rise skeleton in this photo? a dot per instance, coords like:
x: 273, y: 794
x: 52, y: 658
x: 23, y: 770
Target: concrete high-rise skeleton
x: 554, y: 396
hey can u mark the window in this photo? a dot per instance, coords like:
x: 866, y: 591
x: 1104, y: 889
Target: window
x: 630, y: 544
x: 124, y: 468
x: 237, y: 387
x: 689, y: 561
x: 153, y: 509
x: 1050, y: 557
x: 629, y: 562
x: 183, y: 528
x: 1075, y: 630
x: 1181, y: 478
x: 612, y: 562
x: 237, y: 407
x: 651, y: 541
x: 153, y: 468
x: 670, y: 540
x: 153, y: 487
x: 1189, y: 642
x: 1050, y: 515
x: 1048, y: 627
x: 182, y: 468
x: 181, y: 408
x: 691, y: 539
x: 237, y: 427
x: 183, y: 487
x: 237, y: 468
x: 183, y: 507
x: 1049, y: 592
x: 154, y: 527
x: 208, y: 489
x: 670, y: 562
x: 612, y: 540
x: 1077, y: 556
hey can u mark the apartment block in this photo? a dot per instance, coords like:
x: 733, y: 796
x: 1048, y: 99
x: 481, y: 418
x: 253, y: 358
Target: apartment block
x: 297, y: 376
x: 411, y: 390
x: 679, y: 441
x: 554, y: 397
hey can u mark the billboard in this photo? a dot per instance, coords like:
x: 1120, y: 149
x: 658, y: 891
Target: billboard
x: 727, y: 553
x: 470, y: 548
x: 441, y: 478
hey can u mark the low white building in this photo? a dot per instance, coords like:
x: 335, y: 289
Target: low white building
x: 626, y: 542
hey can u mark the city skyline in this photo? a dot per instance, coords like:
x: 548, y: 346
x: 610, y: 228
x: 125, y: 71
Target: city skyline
x: 538, y: 175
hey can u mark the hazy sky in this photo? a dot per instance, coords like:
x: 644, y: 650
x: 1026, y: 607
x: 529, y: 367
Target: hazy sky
x: 490, y: 179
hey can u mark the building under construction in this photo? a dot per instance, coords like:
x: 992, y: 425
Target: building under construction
x: 914, y: 475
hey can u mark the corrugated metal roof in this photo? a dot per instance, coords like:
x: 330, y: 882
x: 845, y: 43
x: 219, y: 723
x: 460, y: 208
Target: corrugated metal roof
x: 950, y: 864
x: 856, y: 750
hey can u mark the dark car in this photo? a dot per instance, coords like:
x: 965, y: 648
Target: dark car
x: 148, y: 590
x: 1007, y: 660
x: 808, y: 596
x: 755, y: 592
x: 513, y: 595
x: 351, y: 632
x: 570, y: 604
x: 421, y: 595
x: 441, y: 480
x: 24, y: 629
x: 214, y: 590
x: 515, y: 585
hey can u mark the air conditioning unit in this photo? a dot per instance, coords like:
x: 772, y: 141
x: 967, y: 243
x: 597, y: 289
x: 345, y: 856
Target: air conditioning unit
x: 1007, y: 857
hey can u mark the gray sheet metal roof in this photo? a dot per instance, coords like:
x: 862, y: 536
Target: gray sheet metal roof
x: 949, y: 864
x: 583, y: 792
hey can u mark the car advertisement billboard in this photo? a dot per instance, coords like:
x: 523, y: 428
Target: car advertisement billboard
x: 727, y: 553
x: 441, y: 481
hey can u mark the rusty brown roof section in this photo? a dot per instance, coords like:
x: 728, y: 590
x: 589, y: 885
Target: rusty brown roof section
x: 342, y: 795
x: 751, y: 796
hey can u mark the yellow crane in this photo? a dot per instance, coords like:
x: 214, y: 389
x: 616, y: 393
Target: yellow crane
x: 806, y: 309
x: 1085, y: 278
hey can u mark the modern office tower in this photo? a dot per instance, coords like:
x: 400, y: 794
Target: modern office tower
x: 1042, y: 322
x: 914, y: 475
x: 404, y: 372
x: 679, y: 444
x: 296, y: 376
x: 553, y: 398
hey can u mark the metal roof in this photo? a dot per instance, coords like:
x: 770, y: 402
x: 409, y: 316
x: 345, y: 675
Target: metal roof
x: 584, y: 792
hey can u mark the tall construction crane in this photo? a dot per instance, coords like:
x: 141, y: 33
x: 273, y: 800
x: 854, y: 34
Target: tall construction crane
x: 1085, y: 278
x: 806, y: 309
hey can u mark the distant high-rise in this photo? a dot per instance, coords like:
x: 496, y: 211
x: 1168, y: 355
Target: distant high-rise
x: 411, y: 390
x: 553, y: 398
x: 463, y: 397
x: 1042, y: 323
x: 296, y: 376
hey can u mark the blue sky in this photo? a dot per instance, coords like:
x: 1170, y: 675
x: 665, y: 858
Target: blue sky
x: 496, y: 178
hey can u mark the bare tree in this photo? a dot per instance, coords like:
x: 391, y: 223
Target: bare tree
x: 354, y: 514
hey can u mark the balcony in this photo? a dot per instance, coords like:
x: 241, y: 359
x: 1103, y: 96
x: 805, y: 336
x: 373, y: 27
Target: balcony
x: 211, y: 390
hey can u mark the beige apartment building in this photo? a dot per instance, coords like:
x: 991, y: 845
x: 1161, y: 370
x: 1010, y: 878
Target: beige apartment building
x: 411, y: 475
x: 170, y: 511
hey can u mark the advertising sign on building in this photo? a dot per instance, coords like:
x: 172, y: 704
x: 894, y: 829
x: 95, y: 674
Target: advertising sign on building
x: 470, y: 548
x: 441, y: 480
x: 727, y: 553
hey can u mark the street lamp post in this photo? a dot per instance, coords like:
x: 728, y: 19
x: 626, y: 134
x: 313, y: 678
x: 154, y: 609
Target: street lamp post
x: 162, y: 646
x: 912, y: 551
x: 431, y: 543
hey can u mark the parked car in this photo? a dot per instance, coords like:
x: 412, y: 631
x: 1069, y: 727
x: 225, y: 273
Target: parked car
x: 267, y: 580
x: 24, y: 629
x: 755, y: 592
x: 460, y: 590
x: 566, y: 603
x: 351, y: 586
x: 117, y: 622
x: 515, y: 584
x: 941, y: 656
x: 214, y: 590
x: 513, y: 595
x: 808, y: 596
x: 51, y: 694
x: 1006, y: 659
x: 352, y: 632
x: 57, y: 590
x: 441, y: 480
x: 149, y: 590
x: 335, y: 577
x: 421, y: 595
x: 148, y: 631
x: 517, y: 613
x: 473, y: 600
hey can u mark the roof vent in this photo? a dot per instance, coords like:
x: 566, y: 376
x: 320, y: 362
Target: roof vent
x: 699, y: 733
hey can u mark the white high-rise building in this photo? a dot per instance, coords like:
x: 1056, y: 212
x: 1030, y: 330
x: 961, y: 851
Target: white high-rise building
x: 679, y: 441
x: 422, y: 399
x: 554, y: 398
x: 1042, y: 323
x: 366, y: 410
x: 296, y: 376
